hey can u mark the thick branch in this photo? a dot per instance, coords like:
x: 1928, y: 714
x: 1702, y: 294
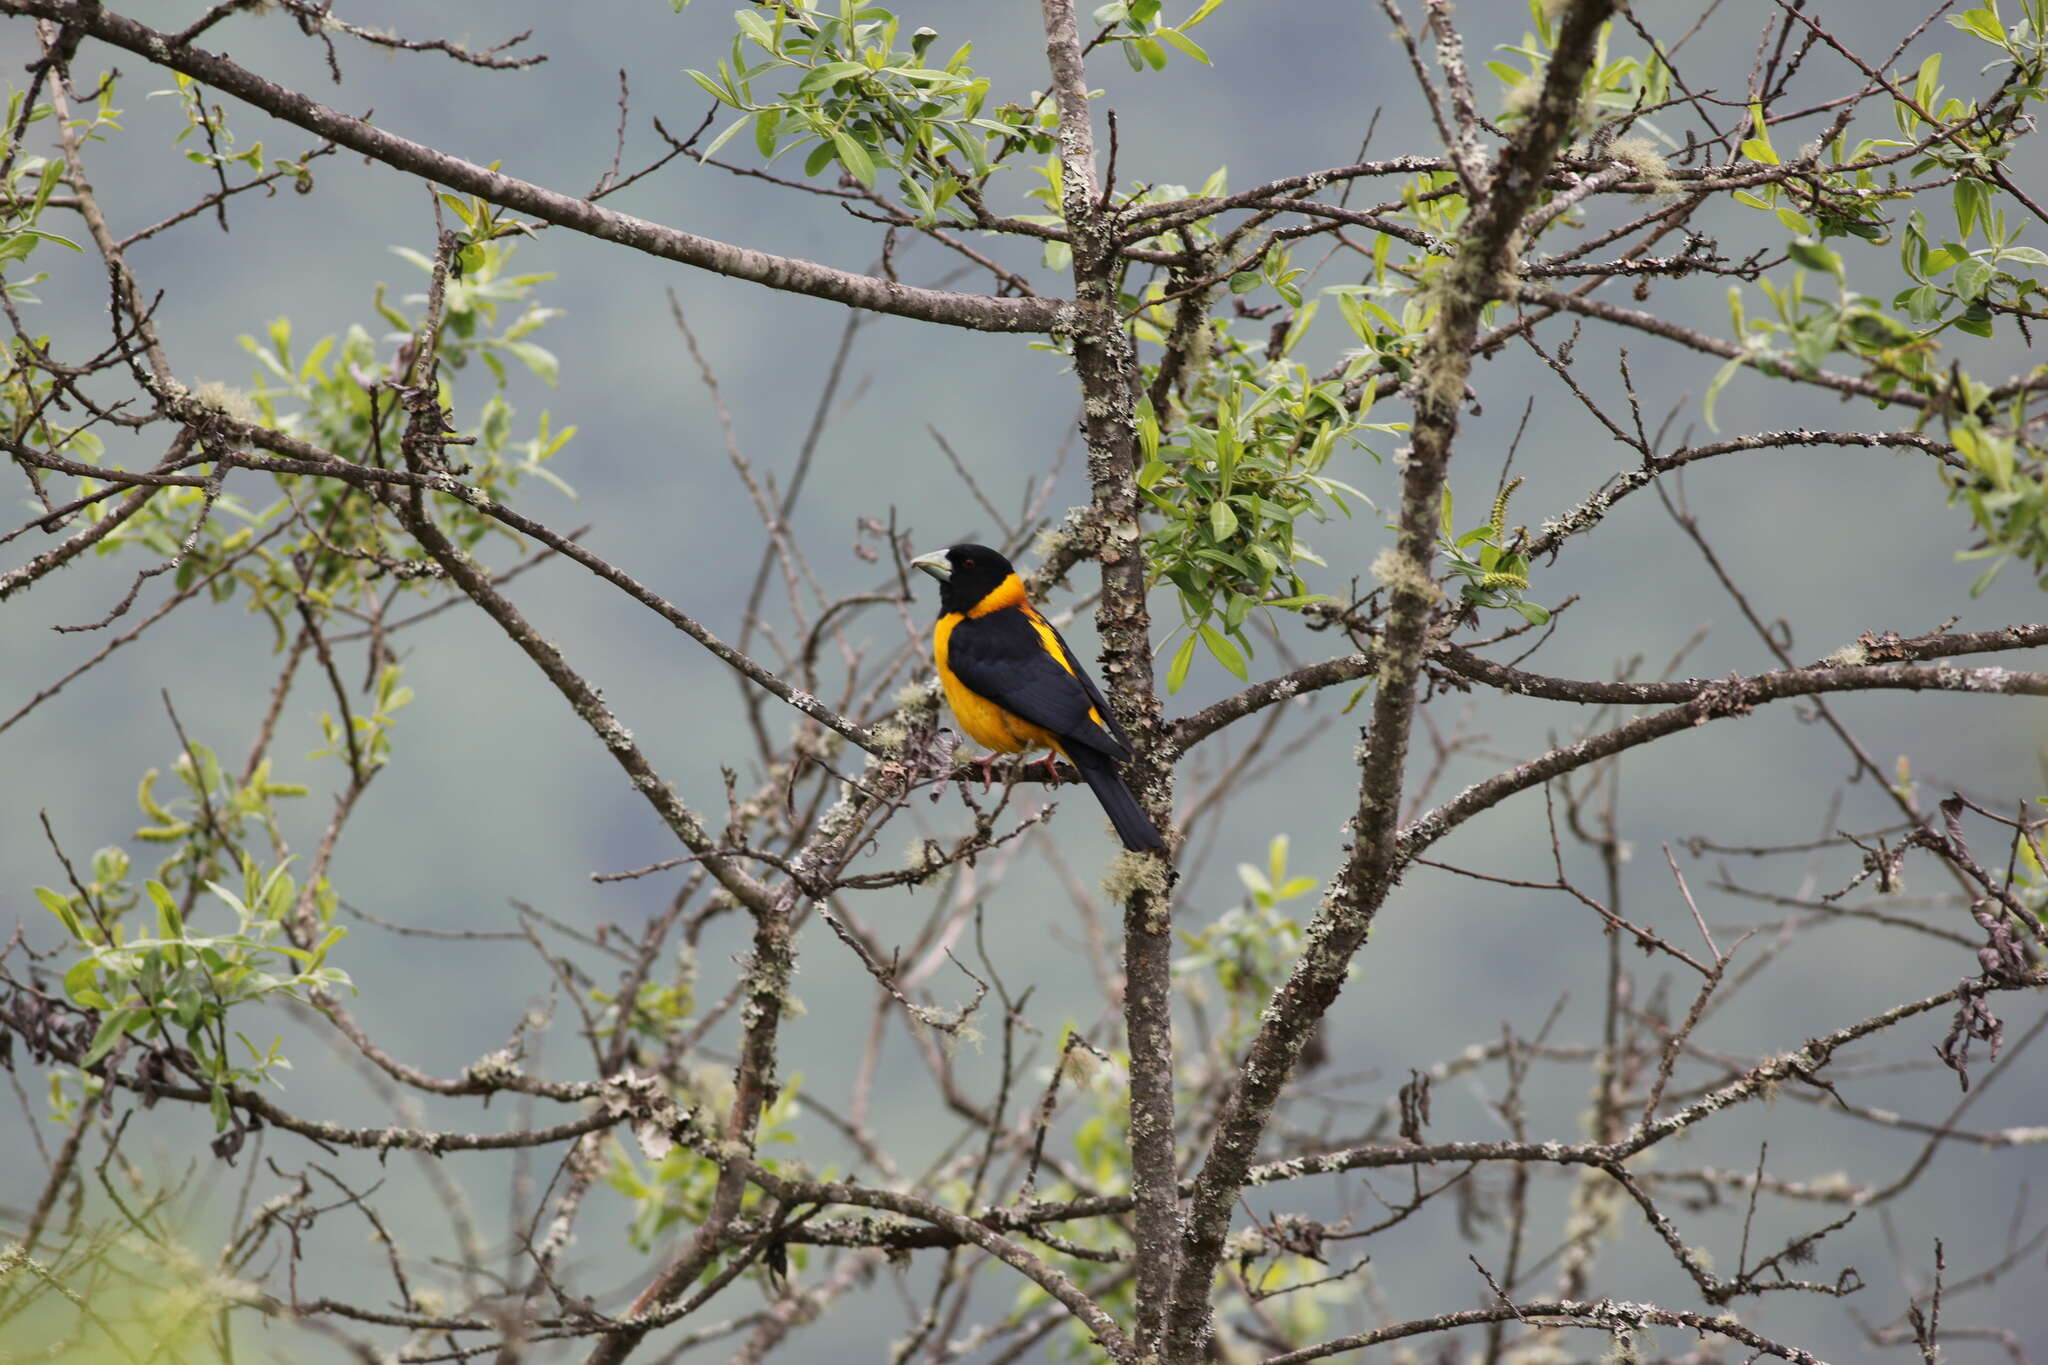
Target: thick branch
x: 1471, y: 279
x: 1732, y: 696
x: 1108, y: 371
x: 977, y: 311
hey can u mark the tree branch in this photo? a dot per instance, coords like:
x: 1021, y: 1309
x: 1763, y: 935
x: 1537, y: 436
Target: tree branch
x: 977, y: 311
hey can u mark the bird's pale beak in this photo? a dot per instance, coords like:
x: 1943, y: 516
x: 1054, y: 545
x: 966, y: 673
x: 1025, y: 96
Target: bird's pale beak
x: 934, y: 564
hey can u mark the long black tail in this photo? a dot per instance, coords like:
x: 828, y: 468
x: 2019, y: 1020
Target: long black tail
x: 1133, y: 826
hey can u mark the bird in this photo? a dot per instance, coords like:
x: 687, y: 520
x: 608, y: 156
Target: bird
x: 1014, y: 685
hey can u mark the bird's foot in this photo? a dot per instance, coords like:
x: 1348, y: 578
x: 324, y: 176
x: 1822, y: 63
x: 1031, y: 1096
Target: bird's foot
x: 1052, y: 769
x: 987, y: 764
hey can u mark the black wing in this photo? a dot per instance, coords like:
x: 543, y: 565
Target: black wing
x: 1094, y: 693
x: 1001, y: 656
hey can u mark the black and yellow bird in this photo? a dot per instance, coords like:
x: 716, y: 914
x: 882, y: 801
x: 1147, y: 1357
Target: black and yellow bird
x: 1014, y: 686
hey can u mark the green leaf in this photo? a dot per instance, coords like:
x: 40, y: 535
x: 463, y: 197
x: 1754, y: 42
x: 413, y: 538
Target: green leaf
x: 713, y: 88
x: 539, y: 359
x: 82, y: 976
x: 1816, y: 257
x: 1926, y: 84
x: 755, y: 27
x: 854, y: 157
x: 1533, y: 614
x: 1972, y: 200
x: 1177, y: 671
x: 1973, y: 277
x: 1981, y: 22
x: 60, y: 906
x: 1222, y: 521
x: 112, y: 1029
x: 1720, y: 381
x: 1186, y: 44
x: 1976, y: 320
x: 1227, y: 653
x: 1758, y: 148
x: 730, y: 131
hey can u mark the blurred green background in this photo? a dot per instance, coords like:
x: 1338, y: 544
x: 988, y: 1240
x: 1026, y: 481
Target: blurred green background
x: 497, y: 793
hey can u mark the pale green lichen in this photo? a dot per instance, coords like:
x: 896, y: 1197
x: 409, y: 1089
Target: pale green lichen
x: 888, y: 736
x: 493, y: 1068
x: 1519, y: 98
x: 1621, y: 1349
x: 918, y: 699
x: 922, y: 858
x: 225, y: 398
x: 1051, y: 541
x: 1403, y: 575
x: 1646, y: 161
x: 1130, y: 873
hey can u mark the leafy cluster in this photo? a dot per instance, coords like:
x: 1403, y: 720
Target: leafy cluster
x: 1232, y: 485
x: 1489, y: 559
x: 176, y: 986
x: 860, y: 100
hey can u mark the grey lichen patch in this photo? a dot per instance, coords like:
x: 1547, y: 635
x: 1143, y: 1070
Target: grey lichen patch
x: 951, y: 1025
x: 1518, y: 99
x: 1404, y: 576
x: 1051, y: 541
x: 888, y: 736
x: 918, y: 701
x: 1621, y: 1349
x: 1646, y: 161
x: 1728, y: 697
x: 1130, y: 873
x: 923, y: 858
x: 225, y: 398
x: 646, y: 1104
x: 1508, y: 284
x: 1596, y: 1205
x: 493, y: 1068
x: 1849, y: 656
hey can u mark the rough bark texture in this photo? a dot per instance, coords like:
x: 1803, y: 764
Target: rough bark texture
x: 1108, y: 371
x: 1479, y: 273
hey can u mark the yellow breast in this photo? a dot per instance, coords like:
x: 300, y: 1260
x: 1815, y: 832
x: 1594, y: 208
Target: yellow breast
x: 986, y: 723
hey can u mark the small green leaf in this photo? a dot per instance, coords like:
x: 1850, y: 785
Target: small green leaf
x: 1719, y: 382
x: 755, y: 27
x: 1814, y: 256
x: 1227, y: 653
x: 731, y: 131
x: 854, y: 157
x: 1177, y: 671
x: 1973, y: 277
x: 60, y: 906
x: 1186, y: 44
x: 539, y: 359
x: 112, y: 1029
x: 82, y: 976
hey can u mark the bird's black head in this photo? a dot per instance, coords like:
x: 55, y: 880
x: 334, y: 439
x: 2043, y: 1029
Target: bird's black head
x: 967, y: 574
